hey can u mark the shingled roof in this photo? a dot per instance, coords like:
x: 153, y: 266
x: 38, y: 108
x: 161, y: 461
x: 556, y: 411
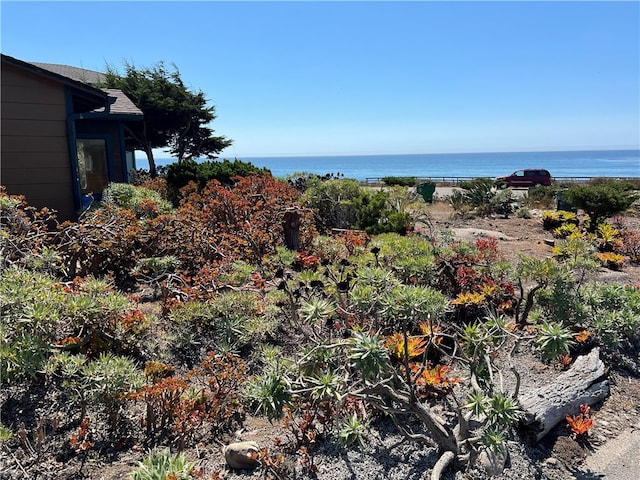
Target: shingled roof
x: 75, y: 73
x: 119, y: 103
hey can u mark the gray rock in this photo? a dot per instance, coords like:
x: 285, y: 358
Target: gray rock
x: 242, y: 455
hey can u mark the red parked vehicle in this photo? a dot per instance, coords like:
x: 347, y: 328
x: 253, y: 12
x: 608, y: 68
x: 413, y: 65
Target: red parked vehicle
x: 528, y: 177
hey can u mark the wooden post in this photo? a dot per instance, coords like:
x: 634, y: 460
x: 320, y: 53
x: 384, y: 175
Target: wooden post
x: 291, y: 227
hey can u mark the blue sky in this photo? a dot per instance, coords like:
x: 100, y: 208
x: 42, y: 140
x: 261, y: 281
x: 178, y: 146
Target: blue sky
x: 337, y: 78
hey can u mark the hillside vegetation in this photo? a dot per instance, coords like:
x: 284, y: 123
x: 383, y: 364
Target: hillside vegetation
x: 168, y: 318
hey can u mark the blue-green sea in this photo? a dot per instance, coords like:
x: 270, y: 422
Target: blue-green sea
x: 588, y: 163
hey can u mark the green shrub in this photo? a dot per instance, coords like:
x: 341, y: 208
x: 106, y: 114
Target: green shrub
x: 374, y: 215
x: 301, y: 181
x: 228, y: 322
x: 38, y: 313
x: 560, y: 300
x: 480, y: 196
x: 622, y: 184
x: 32, y: 306
x: 345, y: 204
x: 481, y: 183
x: 541, y: 197
x: 399, y: 181
x: 333, y: 202
x: 459, y: 201
x: 574, y: 248
x: 412, y: 259
x: 142, y: 201
x: 614, y: 313
x: 104, y: 381
x: 601, y: 200
x: 268, y: 394
x: 410, y: 302
x: 180, y: 174
x: 502, y: 203
x: 368, y: 291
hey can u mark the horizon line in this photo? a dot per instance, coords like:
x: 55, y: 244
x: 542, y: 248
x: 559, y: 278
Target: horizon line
x: 293, y: 155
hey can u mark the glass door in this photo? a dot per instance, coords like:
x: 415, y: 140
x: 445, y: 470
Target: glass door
x: 92, y: 165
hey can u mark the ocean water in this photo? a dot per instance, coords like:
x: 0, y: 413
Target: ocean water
x: 601, y: 163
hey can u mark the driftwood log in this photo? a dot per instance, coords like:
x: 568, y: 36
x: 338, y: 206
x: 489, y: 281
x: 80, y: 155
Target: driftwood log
x: 585, y: 383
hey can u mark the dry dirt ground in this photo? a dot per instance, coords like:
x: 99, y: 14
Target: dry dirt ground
x: 520, y: 236
x: 557, y: 457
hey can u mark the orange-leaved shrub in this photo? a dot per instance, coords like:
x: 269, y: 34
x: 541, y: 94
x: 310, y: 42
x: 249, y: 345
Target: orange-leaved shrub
x: 222, y: 224
x: 178, y: 407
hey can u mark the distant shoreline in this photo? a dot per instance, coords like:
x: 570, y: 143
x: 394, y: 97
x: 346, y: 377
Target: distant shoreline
x: 360, y: 155
x: 569, y: 163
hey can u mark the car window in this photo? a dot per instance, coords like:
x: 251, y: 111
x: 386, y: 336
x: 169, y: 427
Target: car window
x: 519, y: 173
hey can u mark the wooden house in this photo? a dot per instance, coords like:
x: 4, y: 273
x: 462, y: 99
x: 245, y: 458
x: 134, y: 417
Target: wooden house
x: 62, y: 138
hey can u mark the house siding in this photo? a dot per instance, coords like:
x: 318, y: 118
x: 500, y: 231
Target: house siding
x: 34, y: 145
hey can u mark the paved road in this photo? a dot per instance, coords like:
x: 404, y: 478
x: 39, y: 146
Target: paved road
x: 617, y: 459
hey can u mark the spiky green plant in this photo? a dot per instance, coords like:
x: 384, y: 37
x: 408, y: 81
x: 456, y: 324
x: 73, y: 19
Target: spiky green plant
x: 368, y: 355
x: 162, y: 466
x: 269, y: 393
x: 477, y: 403
x: 493, y: 438
x: 502, y: 410
x: 553, y: 339
x: 326, y: 385
x: 317, y: 310
x: 352, y: 431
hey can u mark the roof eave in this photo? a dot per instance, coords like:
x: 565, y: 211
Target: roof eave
x: 83, y: 87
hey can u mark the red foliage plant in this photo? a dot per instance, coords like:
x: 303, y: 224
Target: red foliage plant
x: 630, y: 245
x: 133, y: 321
x: 432, y: 381
x: 353, y: 239
x: 306, y: 261
x: 80, y: 441
x: 25, y: 228
x: 181, y: 405
x: 580, y: 424
x: 222, y: 224
x: 468, y: 272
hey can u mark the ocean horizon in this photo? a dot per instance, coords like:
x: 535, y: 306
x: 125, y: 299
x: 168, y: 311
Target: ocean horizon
x: 582, y: 163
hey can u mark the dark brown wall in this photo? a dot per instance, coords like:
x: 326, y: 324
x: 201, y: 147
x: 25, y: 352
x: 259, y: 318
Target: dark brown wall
x: 34, y: 150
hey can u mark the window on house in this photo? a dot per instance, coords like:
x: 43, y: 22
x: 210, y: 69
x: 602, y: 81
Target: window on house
x: 92, y: 165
